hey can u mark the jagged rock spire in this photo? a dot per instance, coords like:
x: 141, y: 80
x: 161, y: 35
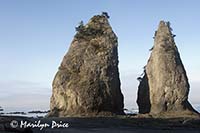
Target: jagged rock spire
x: 87, y: 82
x: 164, y: 88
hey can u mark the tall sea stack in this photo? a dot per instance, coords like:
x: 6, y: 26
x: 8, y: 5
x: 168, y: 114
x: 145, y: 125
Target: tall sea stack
x: 87, y: 82
x: 164, y: 88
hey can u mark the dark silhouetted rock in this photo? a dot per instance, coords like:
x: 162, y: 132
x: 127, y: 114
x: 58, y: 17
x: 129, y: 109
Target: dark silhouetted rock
x: 143, y: 96
x: 164, y: 89
x: 87, y: 82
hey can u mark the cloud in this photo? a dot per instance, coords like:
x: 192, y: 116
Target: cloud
x: 8, y: 88
x: 194, y: 92
x: 23, y: 95
x: 24, y: 102
x: 129, y: 86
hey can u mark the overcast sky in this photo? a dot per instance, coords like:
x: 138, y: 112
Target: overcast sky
x: 36, y: 34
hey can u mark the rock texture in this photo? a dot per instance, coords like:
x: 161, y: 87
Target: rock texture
x: 164, y: 88
x: 87, y: 82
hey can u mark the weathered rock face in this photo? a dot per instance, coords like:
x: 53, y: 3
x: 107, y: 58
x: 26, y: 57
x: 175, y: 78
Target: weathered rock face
x: 164, y: 88
x: 87, y: 82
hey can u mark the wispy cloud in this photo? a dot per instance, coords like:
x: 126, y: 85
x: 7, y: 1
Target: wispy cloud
x: 129, y: 86
x: 194, y: 92
x: 14, y: 87
x: 23, y: 95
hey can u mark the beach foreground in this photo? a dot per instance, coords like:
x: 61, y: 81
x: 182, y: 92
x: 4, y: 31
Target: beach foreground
x: 98, y: 124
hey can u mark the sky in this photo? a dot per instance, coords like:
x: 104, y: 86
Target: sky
x: 36, y: 34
